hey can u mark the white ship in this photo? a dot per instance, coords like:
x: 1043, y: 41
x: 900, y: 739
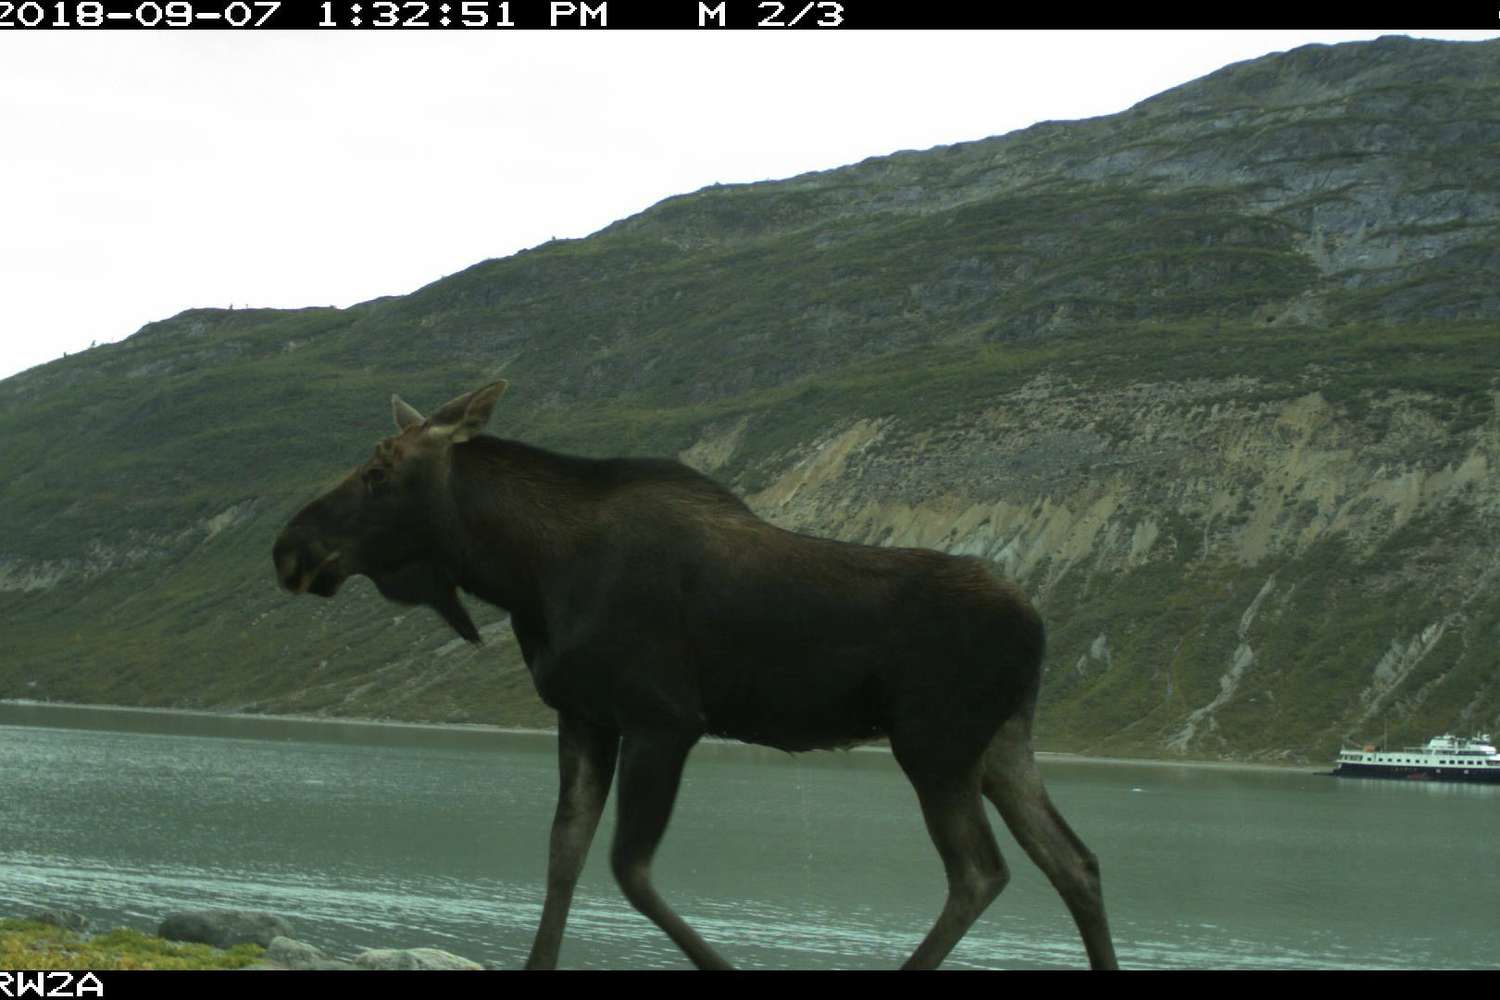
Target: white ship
x: 1444, y: 758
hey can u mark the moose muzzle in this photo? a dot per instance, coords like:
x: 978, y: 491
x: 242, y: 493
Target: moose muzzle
x: 305, y: 565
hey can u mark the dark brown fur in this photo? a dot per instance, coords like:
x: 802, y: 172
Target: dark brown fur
x: 653, y: 607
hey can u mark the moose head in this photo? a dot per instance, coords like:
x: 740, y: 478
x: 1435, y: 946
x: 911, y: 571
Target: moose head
x: 385, y: 520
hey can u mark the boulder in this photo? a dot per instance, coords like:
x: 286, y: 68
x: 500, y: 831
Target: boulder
x: 287, y: 953
x: 224, y: 928
x: 68, y: 920
x: 388, y: 959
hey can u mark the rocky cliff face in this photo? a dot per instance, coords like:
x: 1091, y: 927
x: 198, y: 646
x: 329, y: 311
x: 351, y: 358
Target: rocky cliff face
x: 1217, y: 379
x: 1223, y: 574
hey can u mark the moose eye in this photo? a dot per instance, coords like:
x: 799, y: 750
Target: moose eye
x: 375, y: 478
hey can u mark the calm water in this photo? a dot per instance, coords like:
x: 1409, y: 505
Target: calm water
x: 382, y: 836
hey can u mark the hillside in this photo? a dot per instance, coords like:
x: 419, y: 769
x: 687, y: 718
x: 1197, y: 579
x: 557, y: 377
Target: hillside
x: 1217, y: 379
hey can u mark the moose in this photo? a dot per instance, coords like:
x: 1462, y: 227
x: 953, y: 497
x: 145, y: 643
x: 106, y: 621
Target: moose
x: 653, y: 608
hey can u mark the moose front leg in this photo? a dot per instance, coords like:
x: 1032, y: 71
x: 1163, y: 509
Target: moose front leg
x: 586, y: 759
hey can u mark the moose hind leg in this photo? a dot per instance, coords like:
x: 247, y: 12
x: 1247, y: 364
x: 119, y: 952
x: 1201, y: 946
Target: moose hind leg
x: 650, y: 772
x: 1012, y: 782
x: 971, y: 859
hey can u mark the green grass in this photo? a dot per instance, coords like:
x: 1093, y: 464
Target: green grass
x: 31, y: 945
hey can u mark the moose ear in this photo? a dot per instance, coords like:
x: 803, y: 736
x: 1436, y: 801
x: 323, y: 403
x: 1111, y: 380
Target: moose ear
x: 406, y: 415
x: 464, y: 417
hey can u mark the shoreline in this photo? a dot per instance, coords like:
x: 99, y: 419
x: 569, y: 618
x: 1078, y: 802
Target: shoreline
x: 480, y: 731
x: 331, y: 719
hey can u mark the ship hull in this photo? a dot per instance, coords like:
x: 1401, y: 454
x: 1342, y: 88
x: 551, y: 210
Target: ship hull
x: 1418, y: 772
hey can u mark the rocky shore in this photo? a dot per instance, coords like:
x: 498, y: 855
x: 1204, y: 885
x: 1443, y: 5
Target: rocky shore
x: 228, y: 929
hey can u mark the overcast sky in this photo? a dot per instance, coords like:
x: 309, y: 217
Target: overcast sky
x: 144, y: 173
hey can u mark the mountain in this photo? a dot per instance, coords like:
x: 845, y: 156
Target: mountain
x: 1216, y: 379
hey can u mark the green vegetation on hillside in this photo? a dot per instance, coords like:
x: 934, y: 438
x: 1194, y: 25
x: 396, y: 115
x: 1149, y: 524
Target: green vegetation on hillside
x: 1252, y: 322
